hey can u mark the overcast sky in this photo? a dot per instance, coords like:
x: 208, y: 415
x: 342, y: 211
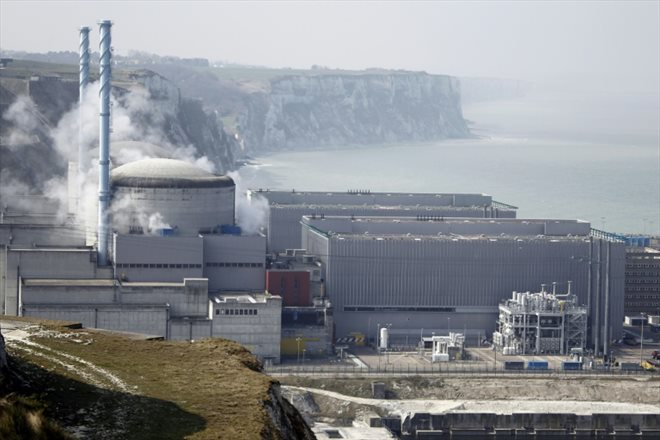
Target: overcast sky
x: 528, y: 40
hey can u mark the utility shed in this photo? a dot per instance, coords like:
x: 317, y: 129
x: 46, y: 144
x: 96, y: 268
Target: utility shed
x: 451, y: 274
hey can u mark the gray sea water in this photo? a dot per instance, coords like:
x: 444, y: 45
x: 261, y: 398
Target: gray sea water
x: 589, y: 156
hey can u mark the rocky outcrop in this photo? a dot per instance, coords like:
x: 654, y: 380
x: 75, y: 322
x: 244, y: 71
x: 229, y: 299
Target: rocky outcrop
x: 343, y: 109
x: 287, y: 422
x: 4, y: 365
x: 153, y: 105
x: 182, y: 121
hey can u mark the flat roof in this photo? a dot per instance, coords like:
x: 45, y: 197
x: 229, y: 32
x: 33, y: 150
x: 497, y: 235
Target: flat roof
x: 378, y: 206
x: 240, y: 297
x: 446, y: 228
x: 365, y: 197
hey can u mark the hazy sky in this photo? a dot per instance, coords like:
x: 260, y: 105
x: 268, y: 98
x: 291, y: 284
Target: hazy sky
x: 613, y: 40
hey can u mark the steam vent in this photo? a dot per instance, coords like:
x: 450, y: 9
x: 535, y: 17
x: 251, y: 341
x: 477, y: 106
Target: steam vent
x: 187, y: 198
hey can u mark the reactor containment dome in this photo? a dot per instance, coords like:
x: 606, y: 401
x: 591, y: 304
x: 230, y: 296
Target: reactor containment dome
x: 187, y: 199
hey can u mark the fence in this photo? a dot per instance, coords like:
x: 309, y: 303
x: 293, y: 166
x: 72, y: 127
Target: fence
x: 439, y: 369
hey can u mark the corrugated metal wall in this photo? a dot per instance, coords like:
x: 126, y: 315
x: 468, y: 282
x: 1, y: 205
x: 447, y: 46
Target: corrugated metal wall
x: 368, y: 271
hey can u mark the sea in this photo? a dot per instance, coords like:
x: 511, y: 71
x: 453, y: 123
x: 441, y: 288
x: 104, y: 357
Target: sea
x: 578, y: 155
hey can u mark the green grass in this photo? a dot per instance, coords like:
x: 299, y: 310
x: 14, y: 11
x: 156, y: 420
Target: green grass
x: 211, y: 389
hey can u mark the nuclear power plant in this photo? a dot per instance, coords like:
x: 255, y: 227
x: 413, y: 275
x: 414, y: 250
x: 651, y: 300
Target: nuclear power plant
x: 160, y: 253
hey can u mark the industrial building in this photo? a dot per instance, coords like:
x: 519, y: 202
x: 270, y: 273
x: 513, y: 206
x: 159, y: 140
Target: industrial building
x: 254, y: 320
x: 160, y: 253
x: 451, y: 274
x: 307, y: 315
x: 642, y: 281
x: 166, y: 258
x: 541, y: 323
x: 287, y: 207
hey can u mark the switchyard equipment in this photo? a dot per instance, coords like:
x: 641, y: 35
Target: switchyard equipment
x: 543, y: 322
x: 446, y: 348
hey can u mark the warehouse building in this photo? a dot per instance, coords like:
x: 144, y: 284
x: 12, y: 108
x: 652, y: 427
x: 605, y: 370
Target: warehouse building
x: 451, y: 274
x: 287, y: 207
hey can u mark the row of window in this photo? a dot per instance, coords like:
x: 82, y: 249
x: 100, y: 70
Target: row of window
x: 642, y: 297
x: 158, y: 266
x: 642, y: 266
x: 644, y: 281
x: 235, y: 311
x: 645, y: 304
x: 647, y: 274
x: 641, y: 289
x: 234, y: 264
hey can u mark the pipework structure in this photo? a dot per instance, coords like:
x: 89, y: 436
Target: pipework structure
x: 104, y: 139
x: 541, y: 323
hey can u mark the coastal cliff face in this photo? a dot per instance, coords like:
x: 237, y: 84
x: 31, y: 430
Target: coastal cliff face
x: 38, y: 134
x: 307, y: 111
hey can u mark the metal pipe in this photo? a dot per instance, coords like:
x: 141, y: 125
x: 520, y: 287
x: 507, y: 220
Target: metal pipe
x: 104, y: 140
x: 83, y: 79
x: 606, y: 311
x: 597, y: 298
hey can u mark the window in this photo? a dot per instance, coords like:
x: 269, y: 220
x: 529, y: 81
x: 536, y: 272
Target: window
x: 217, y: 311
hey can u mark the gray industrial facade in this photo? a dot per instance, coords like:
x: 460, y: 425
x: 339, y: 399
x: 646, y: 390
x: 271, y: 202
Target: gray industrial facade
x: 287, y: 207
x: 451, y: 274
x: 162, y: 278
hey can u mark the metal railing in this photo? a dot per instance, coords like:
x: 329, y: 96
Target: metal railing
x: 437, y: 369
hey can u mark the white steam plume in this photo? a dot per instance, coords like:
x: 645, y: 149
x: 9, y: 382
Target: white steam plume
x: 251, y: 215
x: 22, y: 115
x: 136, y: 105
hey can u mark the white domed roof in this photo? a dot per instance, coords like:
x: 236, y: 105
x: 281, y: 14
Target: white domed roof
x: 166, y: 173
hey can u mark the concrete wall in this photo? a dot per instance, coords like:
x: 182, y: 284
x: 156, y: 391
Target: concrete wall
x: 189, y: 209
x: 43, y: 263
x: 187, y: 299
x: 190, y: 329
x: 233, y: 262
x: 150, y: 320
x: 260, y: 332
x: 70, y: 295
x: 158, y: 259
x: 36, y: 235
x: 132, y: 307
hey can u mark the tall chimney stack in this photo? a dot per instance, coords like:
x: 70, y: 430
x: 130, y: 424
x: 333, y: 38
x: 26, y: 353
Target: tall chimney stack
x: 104, y: 140
x: 83, y: 79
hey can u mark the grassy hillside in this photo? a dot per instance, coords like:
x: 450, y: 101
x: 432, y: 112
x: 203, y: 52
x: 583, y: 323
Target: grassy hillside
x: 109, y: 386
